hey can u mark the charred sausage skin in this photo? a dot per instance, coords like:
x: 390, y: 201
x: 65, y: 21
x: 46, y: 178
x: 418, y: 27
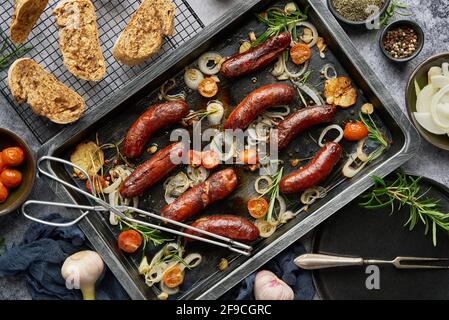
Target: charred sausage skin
x: 217, y: 187
x: 315, y: 172
x: 153, y: 170
x: 258, y: 101
x: 233, y: 227
x: 256, y: 58
x: 299, y: 121
x: 155, y: 118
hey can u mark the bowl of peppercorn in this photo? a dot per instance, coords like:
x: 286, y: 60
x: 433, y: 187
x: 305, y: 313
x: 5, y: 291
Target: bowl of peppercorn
x: 402, y: 40
x: 357, y: 13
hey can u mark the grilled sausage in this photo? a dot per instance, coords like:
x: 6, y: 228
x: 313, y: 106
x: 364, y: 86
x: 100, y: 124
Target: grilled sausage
x: 256, y: 58
x: 256, y: 102
x: 315, y: 172
x: 155, y: 118
x: 299, y: 121
x: 153, y: 170
x: 232, y: 227
x: 217, y: 187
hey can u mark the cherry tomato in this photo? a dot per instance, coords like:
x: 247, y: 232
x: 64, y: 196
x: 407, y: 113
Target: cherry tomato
x: 257, y: 207
x: 4, y: 193
x: 3, y: 165
x: 355, y: 131
x: 208, y: 87
x: 300, y: 53
x: 11, y: 178
x: 173, y: 277
x: 194, y: 158
x: 13, y: 156
x: 129, y: 241
x: 210, y: 159
x: 99, y: 184
x: 249, y: 156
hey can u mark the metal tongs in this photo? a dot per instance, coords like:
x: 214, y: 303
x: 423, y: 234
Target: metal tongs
x: 119, y: 211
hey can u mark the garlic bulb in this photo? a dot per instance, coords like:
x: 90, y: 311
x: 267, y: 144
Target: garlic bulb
x: 81, y: 271
x: 269, y: 287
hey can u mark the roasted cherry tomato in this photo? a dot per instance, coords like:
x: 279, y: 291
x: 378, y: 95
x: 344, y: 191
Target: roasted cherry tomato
x: 300, y: 53
x: 3, y: 166
x: 4, y: 193
x: 99, y: 184
x: 208, y: 87
x: 173, y: 277
x: 195, y: 158
x: 249, y: 156
x: 13, y: 156
x: 11, y: 178
x: 210, y: 159
x: 129, y: 241
x: 257, y: 207
x: 355, y: 131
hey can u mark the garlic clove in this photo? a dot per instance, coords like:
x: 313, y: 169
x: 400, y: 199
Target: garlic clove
x: 267, y: 286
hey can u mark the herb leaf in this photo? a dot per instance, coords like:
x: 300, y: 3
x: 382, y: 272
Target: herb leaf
x: 406, y: 191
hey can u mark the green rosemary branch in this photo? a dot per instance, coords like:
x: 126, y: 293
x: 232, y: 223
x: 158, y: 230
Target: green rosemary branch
x: 376, y: 135
x: 394, y: 8
x: 149, y: 235
x: 7, y: 57
x: 273, y: 191
x: 279, y: 21
x: 406, y: 191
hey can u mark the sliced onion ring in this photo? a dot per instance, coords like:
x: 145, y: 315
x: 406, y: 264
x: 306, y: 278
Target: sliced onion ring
x: 349, y: 171
x: 326, y: 130
x: 260, y: 190
x: 266, y: 228
x: 314, y: 32
x: 311, y: 92
x: 325, y: 71
x: 206, y: 58
x: 193, y: 78
x: 310, y: 195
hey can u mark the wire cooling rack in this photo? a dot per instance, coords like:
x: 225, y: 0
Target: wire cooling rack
x: 112, y: 17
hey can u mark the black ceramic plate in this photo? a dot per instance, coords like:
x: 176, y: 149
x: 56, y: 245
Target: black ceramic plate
x: 375, y: 234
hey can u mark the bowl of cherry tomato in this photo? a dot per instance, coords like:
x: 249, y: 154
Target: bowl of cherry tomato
x: 17, y: 171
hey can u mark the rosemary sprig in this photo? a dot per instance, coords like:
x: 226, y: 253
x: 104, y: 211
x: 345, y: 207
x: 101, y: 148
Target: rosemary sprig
x: 273, y: 191
x: 394, y: 8
x: 7, y: 57
x: 149, y: 235
x: 200, y: 115
x: 376, y: 135
x: 279, y: 21
x: 406, y: 191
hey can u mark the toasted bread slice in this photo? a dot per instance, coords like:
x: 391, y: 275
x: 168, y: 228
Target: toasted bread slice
x: 78, y: 39
x: 25, y: 15
x: 47, y: 97
x: 143, y: 36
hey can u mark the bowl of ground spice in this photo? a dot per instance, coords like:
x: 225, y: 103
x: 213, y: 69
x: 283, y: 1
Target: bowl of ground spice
x: 402, y: 40
x: 357, y: 12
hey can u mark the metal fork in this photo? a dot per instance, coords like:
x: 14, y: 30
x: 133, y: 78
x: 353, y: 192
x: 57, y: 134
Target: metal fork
x: 311, y: 261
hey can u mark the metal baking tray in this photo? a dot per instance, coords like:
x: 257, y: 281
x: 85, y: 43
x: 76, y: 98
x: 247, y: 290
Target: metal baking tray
x: 112, y: 122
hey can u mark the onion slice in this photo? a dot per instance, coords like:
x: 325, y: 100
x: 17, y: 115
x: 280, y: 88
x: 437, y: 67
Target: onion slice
x: 210, y: 63
x: 313, y: 29
x: 326, y: 130
x: 193, y: 78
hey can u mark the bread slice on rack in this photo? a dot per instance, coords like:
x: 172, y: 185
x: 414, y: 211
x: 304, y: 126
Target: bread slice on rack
x: 144, y: 34
x: 78, y: 39
x: 47, y: 97
x: 25, y: 15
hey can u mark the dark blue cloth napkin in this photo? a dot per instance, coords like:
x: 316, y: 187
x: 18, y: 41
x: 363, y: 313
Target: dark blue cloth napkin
x: 40, y: 256
x: 284, y: 268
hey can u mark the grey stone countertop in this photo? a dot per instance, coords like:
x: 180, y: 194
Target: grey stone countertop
x: 430, y: 161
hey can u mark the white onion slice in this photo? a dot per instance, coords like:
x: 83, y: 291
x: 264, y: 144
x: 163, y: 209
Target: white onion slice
x: 193, y: 78
x: 262, y: 190
x: 206, y: 58
x: 349, y: 171
x: 218, y: 111
x: 314, y: 32
x: 424, y: 99
x: 325, y: 71
x: 440, y: 81
x: 445, y: 69
x: 197, y: 175
x: 278, y: 69
x: 425, y: 120
x: 326, y: 130
x: 434, y: 71
x: 303, y: 69
x: 311, y: 92
x: 278, y: 114
x: 266, y: 228
x: 193, y: 260
x: 434, y: 109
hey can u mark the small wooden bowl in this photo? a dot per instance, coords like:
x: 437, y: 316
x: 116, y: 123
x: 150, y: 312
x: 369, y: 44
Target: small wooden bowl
x: 28, y: 170
x: 420, y: 75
